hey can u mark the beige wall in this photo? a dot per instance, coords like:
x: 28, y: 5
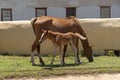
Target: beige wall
x: 103, y: 33
x: 17, y: 36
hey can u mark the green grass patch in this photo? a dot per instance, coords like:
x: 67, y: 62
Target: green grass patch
x: 19, y: 66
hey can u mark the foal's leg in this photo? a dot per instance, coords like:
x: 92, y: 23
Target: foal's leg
x: 38, y: 51
x: 54, y: 54
x: 61, y: 55
x: 77, y: 54
x: 75, y: 48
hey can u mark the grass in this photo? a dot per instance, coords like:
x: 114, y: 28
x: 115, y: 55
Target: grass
x: 19, y: 66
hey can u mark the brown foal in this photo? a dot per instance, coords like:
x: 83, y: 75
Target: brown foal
x: 61, y: 39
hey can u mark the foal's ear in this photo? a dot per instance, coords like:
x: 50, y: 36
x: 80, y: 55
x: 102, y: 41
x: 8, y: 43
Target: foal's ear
x: 91, y: 45
x: 43, y: 30
x: 46, y: 31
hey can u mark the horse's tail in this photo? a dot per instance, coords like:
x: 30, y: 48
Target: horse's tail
x: 32, y: 23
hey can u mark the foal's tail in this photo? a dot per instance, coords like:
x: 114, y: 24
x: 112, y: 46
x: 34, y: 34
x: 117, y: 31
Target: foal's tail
x: 80, y: 36
x: 32, y: 23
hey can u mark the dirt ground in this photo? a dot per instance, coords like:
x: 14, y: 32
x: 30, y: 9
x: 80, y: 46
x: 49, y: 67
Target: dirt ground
x: 87, y: 77
x: 79, y: 77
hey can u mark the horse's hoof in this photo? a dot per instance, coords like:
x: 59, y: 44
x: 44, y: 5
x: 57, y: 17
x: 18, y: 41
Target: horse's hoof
x: 77, y: 63
x: 80, y: 62
x: 34, y: 64
x: 43, y: 64
x: 91, y: 60
x: 62, y: 65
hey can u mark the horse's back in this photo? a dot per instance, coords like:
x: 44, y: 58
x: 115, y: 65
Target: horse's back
x: 62, y: 25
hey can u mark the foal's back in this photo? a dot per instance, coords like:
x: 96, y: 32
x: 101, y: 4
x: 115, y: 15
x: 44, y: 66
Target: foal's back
x: 61, y: 38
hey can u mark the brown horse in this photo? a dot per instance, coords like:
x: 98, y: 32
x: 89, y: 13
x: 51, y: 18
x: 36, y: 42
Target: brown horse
x: 62, y: 25
x: 61, y: 39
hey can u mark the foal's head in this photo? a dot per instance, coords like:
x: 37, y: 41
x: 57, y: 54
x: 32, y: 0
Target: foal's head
x: 43, y: 36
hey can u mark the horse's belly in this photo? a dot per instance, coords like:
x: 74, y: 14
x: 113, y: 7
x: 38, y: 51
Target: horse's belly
x: 62, y: 29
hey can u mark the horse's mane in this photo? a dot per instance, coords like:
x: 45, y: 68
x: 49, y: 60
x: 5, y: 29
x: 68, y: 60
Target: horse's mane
x: 74, y: 19
x: 78, y: 24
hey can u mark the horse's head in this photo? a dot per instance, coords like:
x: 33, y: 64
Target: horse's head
x: 90, y: 55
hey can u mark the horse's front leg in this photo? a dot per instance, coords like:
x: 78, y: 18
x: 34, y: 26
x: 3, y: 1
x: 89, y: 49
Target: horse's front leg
x: 54, y: 54
x: 39, y: 56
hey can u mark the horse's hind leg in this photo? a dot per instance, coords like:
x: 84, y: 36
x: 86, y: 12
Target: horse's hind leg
x: 34, y: 46
x: 32, y: 58
x: 38, y: 51
x: 32, y: 54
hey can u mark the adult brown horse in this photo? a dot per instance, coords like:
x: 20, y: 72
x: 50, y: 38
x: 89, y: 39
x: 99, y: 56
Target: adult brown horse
x: 62, y: 25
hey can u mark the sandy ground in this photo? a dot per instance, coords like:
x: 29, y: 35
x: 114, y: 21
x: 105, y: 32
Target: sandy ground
x: 79, y: 77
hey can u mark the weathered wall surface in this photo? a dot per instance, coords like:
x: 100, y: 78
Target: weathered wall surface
x: 17, y: 36
x: 102, y: 33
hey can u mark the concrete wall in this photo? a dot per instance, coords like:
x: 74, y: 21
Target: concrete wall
x: 88, y: 12
x: 17, y: 36
x: 56, y: 11
x: 115, y: 10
